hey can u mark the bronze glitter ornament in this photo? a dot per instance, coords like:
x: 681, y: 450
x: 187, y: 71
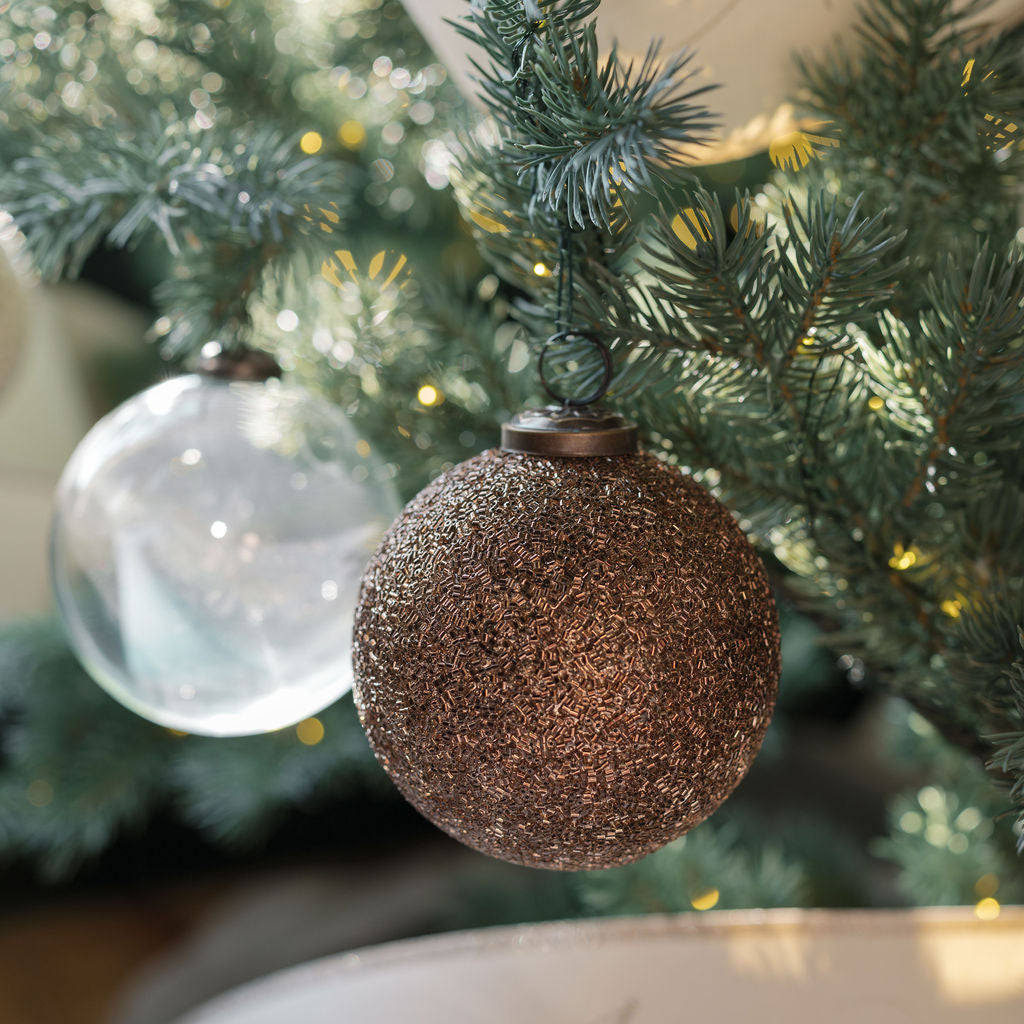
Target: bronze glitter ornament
x: 565, y: 661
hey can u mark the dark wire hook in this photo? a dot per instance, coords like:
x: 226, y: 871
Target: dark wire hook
x: 563, y: 301
x: 564, y: 297
x: 606, y: 376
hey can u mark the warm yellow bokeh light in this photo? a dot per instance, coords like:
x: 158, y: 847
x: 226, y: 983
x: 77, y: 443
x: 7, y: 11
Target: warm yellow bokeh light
x: 755, y: 219
x: 329, y: 267
x: 399, y: 265
x: 987, y: 909
x: 951, y: 608
x: 986, y: 885
x: 326, y: 218
x: 691, y: 226
x: 875, y: 403
x: 310, y: 731
x: 378, y: 270
x: 796, y: 150
x: 999, y: 132
x: 428, y: 395
x: 311, y: 142
x: 969, y: 71
x: 706, y: 900
x: 363, y: 448
x: 902, y: 559
x: 352, y: 134
x: 488, y: 224
x: 541, y: 269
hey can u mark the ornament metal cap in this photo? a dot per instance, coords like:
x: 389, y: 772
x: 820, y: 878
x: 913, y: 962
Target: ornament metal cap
x: 573, y: 431
x: 248, y: 364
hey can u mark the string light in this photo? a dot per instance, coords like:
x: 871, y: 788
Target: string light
x: 310, y: 731
x: 287, y: 320
x: 363, y: 448
x: 998, y: 131
x: 311, y: 142
x: 952, y: 608
x: 541, y: 270
x: 490, y: 225
x: 968, y: 820
x: 875, y: 403
x: 706, y: 900
x: 326, y: 218
x: 902, y: 559
x: 911, y: 822
x: 756, y: 219
x: 958, y: 843
x: 352, y: 134
x: 796, y: 150
x: 691, y: 226
x: 428, y: 395
x: 384, y: 269
x: 987, y: 909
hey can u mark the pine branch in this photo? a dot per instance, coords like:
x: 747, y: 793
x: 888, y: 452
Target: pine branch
x: 236, y: 790
x: 832, y: 273
x: 922, y: 112
x: 964, y: 368
x: 710, y: 864
x: 628, y: 125
x: 744, y: 295
x: 708, y: 284
x: 64, y: 788
x: 578, y: 138
x: 233, y: 211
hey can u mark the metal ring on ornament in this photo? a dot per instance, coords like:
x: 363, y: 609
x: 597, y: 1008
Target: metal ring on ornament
x: 606, y: 376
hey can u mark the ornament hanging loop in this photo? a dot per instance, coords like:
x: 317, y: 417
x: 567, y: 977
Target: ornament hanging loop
x: 564, y: 330
x: 606, y: 374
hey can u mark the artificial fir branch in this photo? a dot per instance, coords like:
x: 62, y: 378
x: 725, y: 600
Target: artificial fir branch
x: 578, y: 137
x: 235, y: 207
x: 238, y: 207
x: 915, y: 107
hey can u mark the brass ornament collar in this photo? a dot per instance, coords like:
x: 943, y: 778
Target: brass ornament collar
x: 569, y: 431
x: 238, y: 364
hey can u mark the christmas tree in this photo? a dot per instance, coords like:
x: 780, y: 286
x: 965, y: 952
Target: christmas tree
x: 836, y: 354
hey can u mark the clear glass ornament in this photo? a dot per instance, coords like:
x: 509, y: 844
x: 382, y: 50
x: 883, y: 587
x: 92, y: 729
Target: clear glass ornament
x: 208, y: 542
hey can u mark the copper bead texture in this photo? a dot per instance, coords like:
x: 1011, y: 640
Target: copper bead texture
x: 565, y: 662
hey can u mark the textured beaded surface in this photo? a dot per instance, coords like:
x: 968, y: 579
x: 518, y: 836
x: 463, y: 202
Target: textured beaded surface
x: 565, y: 663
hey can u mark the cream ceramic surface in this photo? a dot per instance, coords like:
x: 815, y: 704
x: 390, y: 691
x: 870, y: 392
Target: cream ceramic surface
x: 940, y: 965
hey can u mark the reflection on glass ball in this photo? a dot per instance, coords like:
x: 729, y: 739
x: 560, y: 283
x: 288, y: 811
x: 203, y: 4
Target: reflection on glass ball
x: 207, y: 547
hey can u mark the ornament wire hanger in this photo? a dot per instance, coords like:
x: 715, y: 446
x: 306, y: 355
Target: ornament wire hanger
x: 576, y: 427
x: 564, y: 331
x: 528, y: 90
